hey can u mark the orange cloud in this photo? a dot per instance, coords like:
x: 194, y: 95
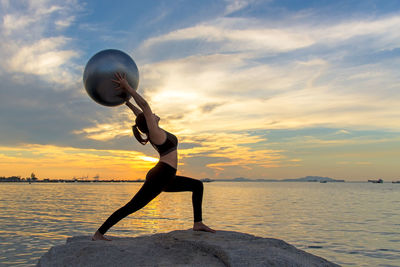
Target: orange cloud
x: 234, y: 147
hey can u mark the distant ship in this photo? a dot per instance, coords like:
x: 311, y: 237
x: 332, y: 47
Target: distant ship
x: 396, y: 182
x: 379, y: 181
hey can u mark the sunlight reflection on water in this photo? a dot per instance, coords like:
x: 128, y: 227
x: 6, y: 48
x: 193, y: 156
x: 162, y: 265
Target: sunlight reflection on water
x: 352, y: 224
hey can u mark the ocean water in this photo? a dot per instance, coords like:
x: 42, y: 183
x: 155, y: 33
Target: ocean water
x: 351, y: 224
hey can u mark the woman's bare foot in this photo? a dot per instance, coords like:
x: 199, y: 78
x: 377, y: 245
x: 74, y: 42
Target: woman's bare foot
x: 200, y: 226
x: 99, y: 236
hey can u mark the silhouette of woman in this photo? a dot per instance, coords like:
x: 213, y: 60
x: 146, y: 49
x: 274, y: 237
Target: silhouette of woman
x: 161, y: 177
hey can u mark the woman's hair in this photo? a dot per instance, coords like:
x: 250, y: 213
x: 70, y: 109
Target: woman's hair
x: 142, y: 126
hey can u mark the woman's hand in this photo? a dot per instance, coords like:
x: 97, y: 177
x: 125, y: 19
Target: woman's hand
x: 123, y: 84
x: 121, y: 81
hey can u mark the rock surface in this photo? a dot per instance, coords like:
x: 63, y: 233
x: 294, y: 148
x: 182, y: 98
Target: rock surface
x: 180, y: 248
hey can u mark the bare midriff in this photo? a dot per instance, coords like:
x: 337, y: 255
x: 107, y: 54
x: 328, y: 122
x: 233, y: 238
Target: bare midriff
x: 171, y: 158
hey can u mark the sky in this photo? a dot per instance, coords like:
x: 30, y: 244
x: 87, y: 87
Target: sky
x: 252, y: 88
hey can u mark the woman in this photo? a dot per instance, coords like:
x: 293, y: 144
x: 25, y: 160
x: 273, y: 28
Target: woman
x: 163, y: 176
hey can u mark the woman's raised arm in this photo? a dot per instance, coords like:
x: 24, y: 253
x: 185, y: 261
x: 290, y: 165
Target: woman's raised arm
x: 155, y: 133
x: 124, y: 85
x: 135, y: 110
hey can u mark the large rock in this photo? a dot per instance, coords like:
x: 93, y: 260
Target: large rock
x: 180, y: 248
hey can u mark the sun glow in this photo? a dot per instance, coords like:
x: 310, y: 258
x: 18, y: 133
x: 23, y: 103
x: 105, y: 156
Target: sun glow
x: 53, y: 162
x: 150, y: 159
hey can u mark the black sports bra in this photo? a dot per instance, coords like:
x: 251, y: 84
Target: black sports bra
x: 170, y: 144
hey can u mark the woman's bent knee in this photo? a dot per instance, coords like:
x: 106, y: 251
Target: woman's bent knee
x: 199, y: 186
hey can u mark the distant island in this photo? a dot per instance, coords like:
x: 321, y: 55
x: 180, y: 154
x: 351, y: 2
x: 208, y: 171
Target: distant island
x: 301, y: 179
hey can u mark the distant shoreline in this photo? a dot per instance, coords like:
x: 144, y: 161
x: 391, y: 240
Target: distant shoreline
x: 308, y: 179
x: 142, y: 181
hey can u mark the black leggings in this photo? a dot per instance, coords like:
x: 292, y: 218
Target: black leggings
x: 160, y: 178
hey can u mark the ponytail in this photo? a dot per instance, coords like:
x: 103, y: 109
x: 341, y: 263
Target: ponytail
x: 141, y: 127
x: 138, y: 135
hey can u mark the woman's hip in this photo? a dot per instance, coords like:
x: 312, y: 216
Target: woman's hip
x: 162, y: 173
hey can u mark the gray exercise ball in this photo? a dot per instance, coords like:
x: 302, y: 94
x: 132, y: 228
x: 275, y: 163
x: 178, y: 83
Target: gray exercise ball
x: 101, y: 69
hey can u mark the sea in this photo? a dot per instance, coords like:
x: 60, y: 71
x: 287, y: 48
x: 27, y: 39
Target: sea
x: 350, y: 224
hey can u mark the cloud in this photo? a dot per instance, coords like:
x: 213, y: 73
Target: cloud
x: 33, y: 43
x: 105, y: 132
x: 356, y: 140
x: 188, y: 86
x: 210, y: 107
x: 235, y: 5
x: 65, y: 22
x: 342, y: 132
x: 383, y: 30
x: 354, y: 163
x: 234, y: 148
x: 363, y: 163
x: 225, y: 37
x: 34, y: 13
x: 306, y: 83
x: 292, y: 95
x: 44, y: 58
x: 260, y: 37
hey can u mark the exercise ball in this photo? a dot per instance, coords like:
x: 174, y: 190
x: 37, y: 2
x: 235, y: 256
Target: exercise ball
x: 101, y: 69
